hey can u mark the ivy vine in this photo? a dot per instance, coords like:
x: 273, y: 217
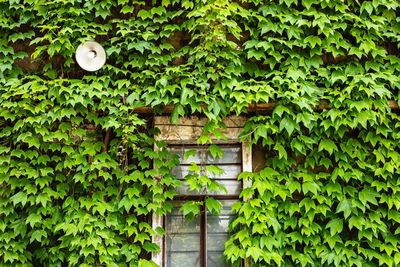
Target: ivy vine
x: 79, y: 176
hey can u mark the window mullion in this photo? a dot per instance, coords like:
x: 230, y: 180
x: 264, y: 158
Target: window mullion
x: 203, y: 237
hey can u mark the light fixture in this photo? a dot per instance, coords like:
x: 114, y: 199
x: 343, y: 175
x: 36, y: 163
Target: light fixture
x: 90, y: 56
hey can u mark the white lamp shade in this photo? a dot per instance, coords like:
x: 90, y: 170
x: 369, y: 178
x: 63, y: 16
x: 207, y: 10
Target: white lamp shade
x: 90, y: 56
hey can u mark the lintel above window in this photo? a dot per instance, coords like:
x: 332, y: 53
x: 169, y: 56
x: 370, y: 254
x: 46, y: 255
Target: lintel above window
x: 189, y: 129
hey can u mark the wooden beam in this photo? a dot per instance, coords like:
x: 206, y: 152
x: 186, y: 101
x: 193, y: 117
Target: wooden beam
x: 146, y: 109
x: 258, y: 107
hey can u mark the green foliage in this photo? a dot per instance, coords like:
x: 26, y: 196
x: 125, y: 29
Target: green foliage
x: 79, y: 178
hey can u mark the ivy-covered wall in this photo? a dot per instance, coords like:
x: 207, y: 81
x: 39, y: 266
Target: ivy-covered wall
x: 79, y: 179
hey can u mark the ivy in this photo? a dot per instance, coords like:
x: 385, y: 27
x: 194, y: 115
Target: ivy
x: 79, y: 176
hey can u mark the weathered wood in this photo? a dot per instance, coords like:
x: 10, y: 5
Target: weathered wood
x: 188, y: 129
x: 247, y: 165
x: 258, y: 155
x: 259, y: 107
x: 157, y: 256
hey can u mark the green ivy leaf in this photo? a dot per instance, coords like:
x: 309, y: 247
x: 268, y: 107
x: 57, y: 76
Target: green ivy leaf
x: 288, y: 124
x: 335, y: 225
x: 327, y: 145
x: 190, y: 209
x: 19, y: 197
x: 216, y: 151
x: 213, y: 205
x: 33, y: 219
x: 38, y: 235
x: 310, y: 187
x: 146, y: 263
x: 189, y: 153
x: 368, y: 195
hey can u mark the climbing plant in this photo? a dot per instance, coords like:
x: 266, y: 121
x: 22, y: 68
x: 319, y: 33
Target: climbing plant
x: 79, y: 175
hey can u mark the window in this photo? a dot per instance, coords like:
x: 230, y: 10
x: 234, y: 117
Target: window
x: 230, y: 163
x: 201, y: 241
x: 193, y: 243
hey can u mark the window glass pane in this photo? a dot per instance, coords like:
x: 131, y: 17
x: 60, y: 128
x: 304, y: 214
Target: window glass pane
x: 231, y: 154
x: 230, y: 171
x: 216, y: 241
x: 182, y: 240
x: 216, y: 259
x: 217, y: 234
x: 184, y: 189
x: 187, y: 259
x: 228, y: 179
x: 177, y: 224
x: 233, y: 187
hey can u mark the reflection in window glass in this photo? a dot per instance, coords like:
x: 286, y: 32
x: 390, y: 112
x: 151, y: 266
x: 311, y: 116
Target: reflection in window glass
x: 230, y: 163
x: 182, y: 240
x: 231, y: 155
x: 217, y: 234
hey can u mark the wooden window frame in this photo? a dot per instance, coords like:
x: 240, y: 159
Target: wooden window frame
x: 186, y: 132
